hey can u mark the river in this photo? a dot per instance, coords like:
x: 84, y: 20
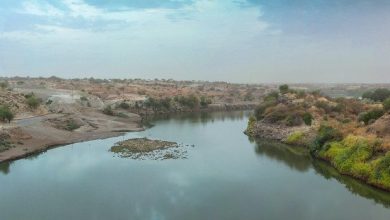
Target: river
x: 225, y: 176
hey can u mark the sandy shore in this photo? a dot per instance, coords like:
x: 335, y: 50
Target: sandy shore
x: 37, y: 134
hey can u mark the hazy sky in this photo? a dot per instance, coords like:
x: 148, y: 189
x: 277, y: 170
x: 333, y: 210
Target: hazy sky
x: 237, y: 40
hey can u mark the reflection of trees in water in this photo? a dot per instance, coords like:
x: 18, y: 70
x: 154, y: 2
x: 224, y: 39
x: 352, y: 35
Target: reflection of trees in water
x: 294, y: 157
x: 299, y: 159
x: 4, y: 167
x: 202, y: 117
x: 354, y: 186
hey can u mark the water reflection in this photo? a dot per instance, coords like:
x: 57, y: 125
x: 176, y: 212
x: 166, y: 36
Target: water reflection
x: 299, y: 159
x: 353, y: 185
x: 5, y: 167
x: 202, y: 117
x: 294, y: 157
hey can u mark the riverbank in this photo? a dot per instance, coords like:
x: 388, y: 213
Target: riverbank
x: 33, y: 135
x: 349, y: 134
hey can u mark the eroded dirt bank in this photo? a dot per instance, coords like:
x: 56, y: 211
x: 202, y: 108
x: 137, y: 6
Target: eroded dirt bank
x: 31, y: 135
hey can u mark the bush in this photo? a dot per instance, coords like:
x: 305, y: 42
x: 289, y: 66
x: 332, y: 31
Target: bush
x: 386, y: 104
x: 71, y: 125
x: 284, y: 89
x: 295, y: 138
x: 204, y: 102
x: 251, y: 124
x: 378, y: 95
x: 260, y: 109
x: 371, y: 116
x: 307, y: 118
x: 4, y: 85
x: 325, y: 135
x: 124, y: 105
x: 108, y: 110
x: 32, y: 101
x: 5, y: 114
x: 271, y: 97
x: 83, y: 99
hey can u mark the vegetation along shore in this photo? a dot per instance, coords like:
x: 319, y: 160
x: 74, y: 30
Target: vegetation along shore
x: 353, y: 135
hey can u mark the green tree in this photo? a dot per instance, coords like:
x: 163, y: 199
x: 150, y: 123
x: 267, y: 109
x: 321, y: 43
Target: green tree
x: 6, y: 114
x: 283, y: 89
x: 378, y: 95
x: 371, y: 116
x: 386, y: 104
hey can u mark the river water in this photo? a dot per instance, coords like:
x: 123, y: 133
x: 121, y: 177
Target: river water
x: 225, y: 176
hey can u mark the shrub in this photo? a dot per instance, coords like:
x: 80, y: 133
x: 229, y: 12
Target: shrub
x: 283, y: 89
x: 124, y: 105
x: 307, y: 118
x: 350, y: 156
x: 251, y: 124
x: 325, y: 134
x: 293, y: 119
x: 371, y: 116
x: 295, y: 138
x: 83, y: 99
x: 204, y: 102
x: 260, y: 109
x: 5, y: 114
x: 386, y: 104
x: 4, y: 85
x: 271, y: 97
x: 71, y: 125
x: 32, y: 101
x: 108, y: 110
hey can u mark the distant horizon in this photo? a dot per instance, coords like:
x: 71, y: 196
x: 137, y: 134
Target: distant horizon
x: 197, y: 80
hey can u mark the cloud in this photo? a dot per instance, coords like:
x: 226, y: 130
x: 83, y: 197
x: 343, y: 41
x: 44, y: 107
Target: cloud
x: 40, y: 9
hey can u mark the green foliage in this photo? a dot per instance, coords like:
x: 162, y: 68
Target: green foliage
x: 307, y: 118
x: 83, y: 99
x: 5, y: 145
x: 378, y: 95
x: 71, y: 125
x: 284, y: 89
x: 5, y: 114
x: 271, y: 97
x: 325, y: 135
x: 108, y: 110
x: 295, y: 138
x: 251, y: 124
x: 204, y: 102
x: 4, y: 84
x: 371, y: 116
x: 124, y: 105
x: 354, y: 156
x: 386, y: 104
x: 32, y: 101
x: 190, y: 101
x: 382, y: 170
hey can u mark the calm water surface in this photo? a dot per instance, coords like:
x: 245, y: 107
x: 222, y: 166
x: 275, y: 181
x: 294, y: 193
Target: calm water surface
x: 226, y: 176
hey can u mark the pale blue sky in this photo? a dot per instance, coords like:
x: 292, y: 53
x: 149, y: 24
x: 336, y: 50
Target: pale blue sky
x: 237, y: 41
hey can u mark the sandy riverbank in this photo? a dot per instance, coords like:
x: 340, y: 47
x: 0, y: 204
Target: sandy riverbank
x: 33, y: 135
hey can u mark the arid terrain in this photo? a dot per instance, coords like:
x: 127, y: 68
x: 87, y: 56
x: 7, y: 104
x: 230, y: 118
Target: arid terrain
x: 48, y: 112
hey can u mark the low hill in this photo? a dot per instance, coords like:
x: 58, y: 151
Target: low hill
x: 352, y: 134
